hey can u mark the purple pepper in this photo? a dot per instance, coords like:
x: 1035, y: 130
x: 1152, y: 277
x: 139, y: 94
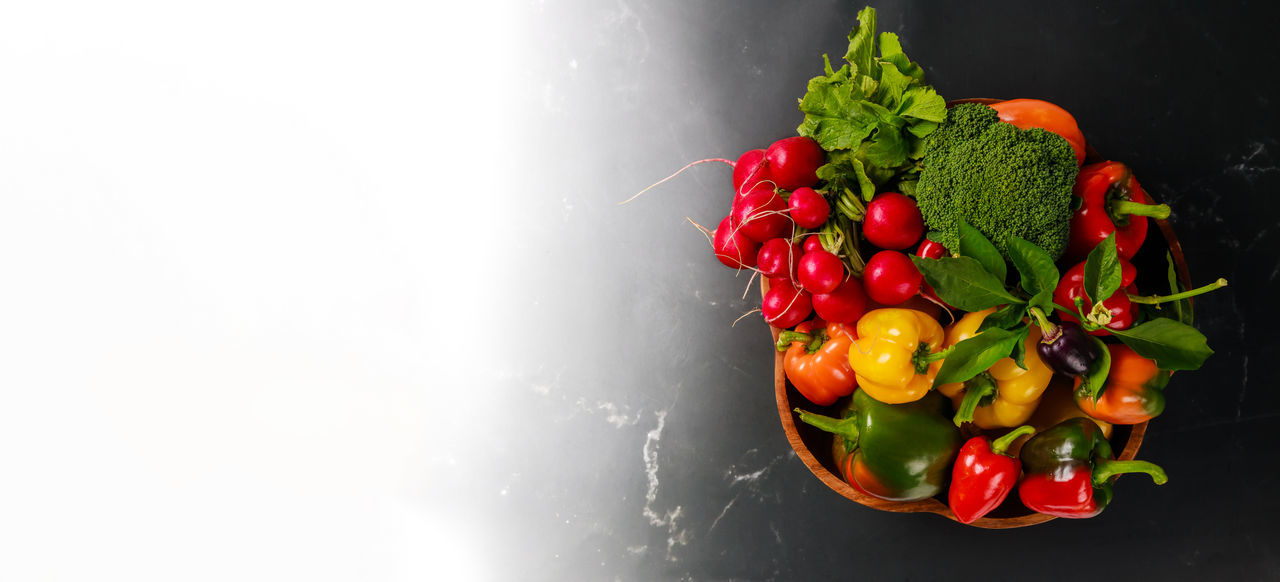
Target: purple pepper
x: 1067, y: 349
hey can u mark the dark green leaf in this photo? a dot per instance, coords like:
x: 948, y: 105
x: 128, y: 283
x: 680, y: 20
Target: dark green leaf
x: 1019, y: 353
x: 1172, y: 344
x: 1096, y: 377
x: 1102, y: 270
x: 1035, y: 267
x: 963, y: 283
x: 974, y: 355
x: 974, y: 244
x: 1004, y: 318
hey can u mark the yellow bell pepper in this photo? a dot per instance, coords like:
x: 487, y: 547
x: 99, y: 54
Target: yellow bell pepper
x: 895, y: 357
x: 1017, y: 391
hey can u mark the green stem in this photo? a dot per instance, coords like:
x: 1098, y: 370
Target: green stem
x: 786, y: 338
x: 923, y: 357
x: 1104, y: 470
x: 975, y: 390
x: 1048, y: 330
x: 1158, y: 299
x: 1128, y: 207
x: 847, y: 428
x: 1000, y: 445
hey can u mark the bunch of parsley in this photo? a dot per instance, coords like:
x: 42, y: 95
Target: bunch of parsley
x: 871, y: 115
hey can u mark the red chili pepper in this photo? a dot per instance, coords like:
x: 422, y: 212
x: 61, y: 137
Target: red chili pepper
x: 1071, y: 286
x: 1110, y: 201
x: 984, y: 475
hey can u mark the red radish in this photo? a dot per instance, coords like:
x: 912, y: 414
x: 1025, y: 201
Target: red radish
x: 808, y: 208
x: 785, y: 306
x: 893, y: 221
x: 778, y: 258
x: 733, y: 248
x: 793, y: 162
x: 844, y: 305
x: 749, y: 171
x: 891, y: 278
x: 931, y: 250
x: 762, y: 216
x: 759, y: 188
x: 820, y: 271
x: 812, y: 242
x: 782, y: 282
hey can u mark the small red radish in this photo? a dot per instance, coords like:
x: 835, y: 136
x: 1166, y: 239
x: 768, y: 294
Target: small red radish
x: 782, y: 282
x: 762, y: 216
x: 812, y: 242
x: 785, y: 306
x: 808, y: 208
x: 778, y: 258
x: 844, y: 305
x: 733, y: 248
x: 931, y: 250
x: 793, y: 162
x: 749, y: 171
x: 759, y: 188
x: 891, y: 278
x: 820, y: 271
x: 893, y: 221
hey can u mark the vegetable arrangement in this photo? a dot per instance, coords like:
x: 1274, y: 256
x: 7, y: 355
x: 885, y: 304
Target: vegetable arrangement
x: 934, y: 269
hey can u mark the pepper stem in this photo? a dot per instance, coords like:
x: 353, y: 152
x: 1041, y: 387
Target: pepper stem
x: 1000, y: 445
x: 1104, y: 470
x: 1131, y: 208
x: 786, y: 338
x: 1158, y: 299
x: 846, y: 428
x: 976, y: 390
x: 923, y: 357
x: 1048, y: 329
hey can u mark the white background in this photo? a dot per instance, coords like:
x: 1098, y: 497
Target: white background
x: 231, y: 237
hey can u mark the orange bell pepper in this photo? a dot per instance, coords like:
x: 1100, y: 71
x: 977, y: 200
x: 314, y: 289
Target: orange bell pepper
x: 817, y: 363
x: 1134, y: 392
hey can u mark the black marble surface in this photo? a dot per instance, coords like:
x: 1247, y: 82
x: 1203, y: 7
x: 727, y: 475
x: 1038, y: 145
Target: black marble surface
x: 639, y: 438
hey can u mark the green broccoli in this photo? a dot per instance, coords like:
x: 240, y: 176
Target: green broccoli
x: 1001, y: 179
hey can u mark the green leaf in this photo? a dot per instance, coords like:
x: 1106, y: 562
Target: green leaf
x: 862, y: 43
x: 963, y: 283
x: 1019, y: 353
x: 1102, y: 270
x: 1004, y: 318
x: 1035, y: 266
x: 923, y: 103
x: 836, y: 117
x: 1096, y: 377
x: 974, y: 244
x: 887, y: 149
x: 1172, y: 344
x: 974, y: 355
x: 892, y: 84
x: 891, y: 51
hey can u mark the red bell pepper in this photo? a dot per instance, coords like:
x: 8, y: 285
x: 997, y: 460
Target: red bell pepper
x: 984, y: 475
x: 817, y: 363
x: 1119, y: 305
x: 1070, y: 470
x: 1110, y: 201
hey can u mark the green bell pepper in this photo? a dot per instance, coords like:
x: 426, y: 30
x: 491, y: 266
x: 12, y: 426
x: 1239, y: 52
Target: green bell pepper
x: 898, y: 452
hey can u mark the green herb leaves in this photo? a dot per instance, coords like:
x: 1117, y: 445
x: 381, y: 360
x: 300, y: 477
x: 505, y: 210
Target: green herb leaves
x: 872, y: 113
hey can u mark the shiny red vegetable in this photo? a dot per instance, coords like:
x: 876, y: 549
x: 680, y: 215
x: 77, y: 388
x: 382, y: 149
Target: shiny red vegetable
x: 1110, y: 201
x: 1119, y: 305
x: 984, y: 475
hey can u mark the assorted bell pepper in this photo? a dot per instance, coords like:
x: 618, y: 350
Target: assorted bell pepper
x: 895, y: 356
x: 1006, y: 395
x: 1070, y: 470
x: 817, y: 362
x: 898, y: 452
x: 1120, y: 312
x: 1134, y: 391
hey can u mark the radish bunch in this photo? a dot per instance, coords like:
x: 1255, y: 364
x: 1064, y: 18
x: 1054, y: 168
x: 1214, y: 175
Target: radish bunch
x: 801, y: 239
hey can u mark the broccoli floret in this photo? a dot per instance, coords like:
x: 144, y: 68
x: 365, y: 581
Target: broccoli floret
x: 1001, y: 179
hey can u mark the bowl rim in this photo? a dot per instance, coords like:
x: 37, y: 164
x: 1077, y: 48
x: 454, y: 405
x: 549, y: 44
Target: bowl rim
x: 1137, y: 432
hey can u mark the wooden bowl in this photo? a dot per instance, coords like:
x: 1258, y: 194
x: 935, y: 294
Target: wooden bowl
x: 814, y: 447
